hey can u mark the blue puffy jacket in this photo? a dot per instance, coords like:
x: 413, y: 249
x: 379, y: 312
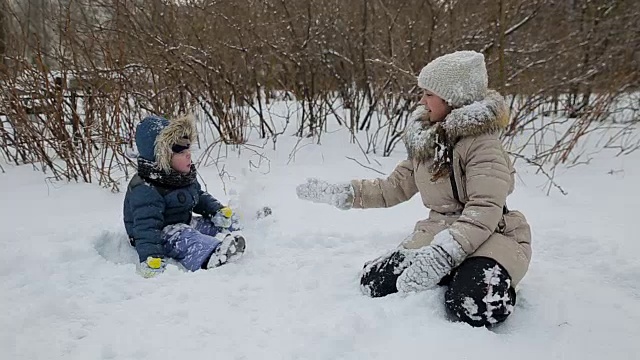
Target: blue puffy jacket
x: 148, y: 209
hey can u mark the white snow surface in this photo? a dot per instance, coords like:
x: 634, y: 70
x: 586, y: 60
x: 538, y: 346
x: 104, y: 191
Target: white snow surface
x: 69, y: 290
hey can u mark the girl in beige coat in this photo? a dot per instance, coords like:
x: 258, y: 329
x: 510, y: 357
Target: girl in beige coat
x: 470, y: 242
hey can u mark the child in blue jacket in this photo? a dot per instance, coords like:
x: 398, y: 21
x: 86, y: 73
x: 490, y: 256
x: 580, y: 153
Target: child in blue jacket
x: 162, y: 197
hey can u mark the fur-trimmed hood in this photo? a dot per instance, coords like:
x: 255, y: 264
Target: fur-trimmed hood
x: 481, y: 117
x: 155, y: 137
x: 426, y: 141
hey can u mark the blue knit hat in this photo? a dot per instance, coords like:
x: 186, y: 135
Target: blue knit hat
x: 157, y: 137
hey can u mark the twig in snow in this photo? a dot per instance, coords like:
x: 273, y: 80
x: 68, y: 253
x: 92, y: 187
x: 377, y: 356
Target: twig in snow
x: 292, y: 155
x: 261, y: 157
x: 541, y: 169
x: 365, y: 166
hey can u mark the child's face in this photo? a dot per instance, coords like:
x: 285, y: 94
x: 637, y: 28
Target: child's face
x: 181, y: 162
x: 438, y: 108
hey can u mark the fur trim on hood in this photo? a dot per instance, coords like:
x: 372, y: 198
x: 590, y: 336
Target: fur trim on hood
x: 481, y: 117
x: 181, y: 131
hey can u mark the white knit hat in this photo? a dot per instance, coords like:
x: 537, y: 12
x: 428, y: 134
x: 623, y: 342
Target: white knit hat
x: 459, y: 78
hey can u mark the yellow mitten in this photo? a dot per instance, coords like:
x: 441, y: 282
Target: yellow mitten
x: 154, y: 263
x: 151, y: 267
x: 226, y: 211
x: 222, y: 218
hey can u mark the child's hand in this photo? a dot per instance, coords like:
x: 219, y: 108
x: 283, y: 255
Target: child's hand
x: 222, y: 218
x: 320, y: 191
x: 431, y: 263
x: 152, y: 267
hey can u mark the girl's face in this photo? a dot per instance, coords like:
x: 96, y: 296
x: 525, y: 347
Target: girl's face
x: 437, y: 107
x: 181, y: 162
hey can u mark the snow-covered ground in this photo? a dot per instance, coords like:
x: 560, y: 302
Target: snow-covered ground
x: 68, y: 288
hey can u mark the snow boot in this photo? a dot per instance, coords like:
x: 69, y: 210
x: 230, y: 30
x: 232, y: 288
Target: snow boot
x: 230, y: 249
x: 379, y: 276
x: 480, y: 293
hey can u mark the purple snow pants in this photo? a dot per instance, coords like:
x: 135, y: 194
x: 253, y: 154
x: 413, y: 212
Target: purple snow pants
x: 191, y: 245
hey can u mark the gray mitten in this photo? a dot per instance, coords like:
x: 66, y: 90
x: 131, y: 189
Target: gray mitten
x: 221, y: 221
x: 319, y: 191
x: 431, y: 263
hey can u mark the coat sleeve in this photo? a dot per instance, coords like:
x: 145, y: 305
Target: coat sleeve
x: 147, y: 207
x: 399, y: 187
x: 487, y: 182
x: 207, y: 205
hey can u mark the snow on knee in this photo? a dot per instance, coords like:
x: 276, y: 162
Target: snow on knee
x: 471, y: 309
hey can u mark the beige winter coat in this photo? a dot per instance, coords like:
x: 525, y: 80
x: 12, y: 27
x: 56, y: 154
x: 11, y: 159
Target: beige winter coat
x: 484, y: 176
